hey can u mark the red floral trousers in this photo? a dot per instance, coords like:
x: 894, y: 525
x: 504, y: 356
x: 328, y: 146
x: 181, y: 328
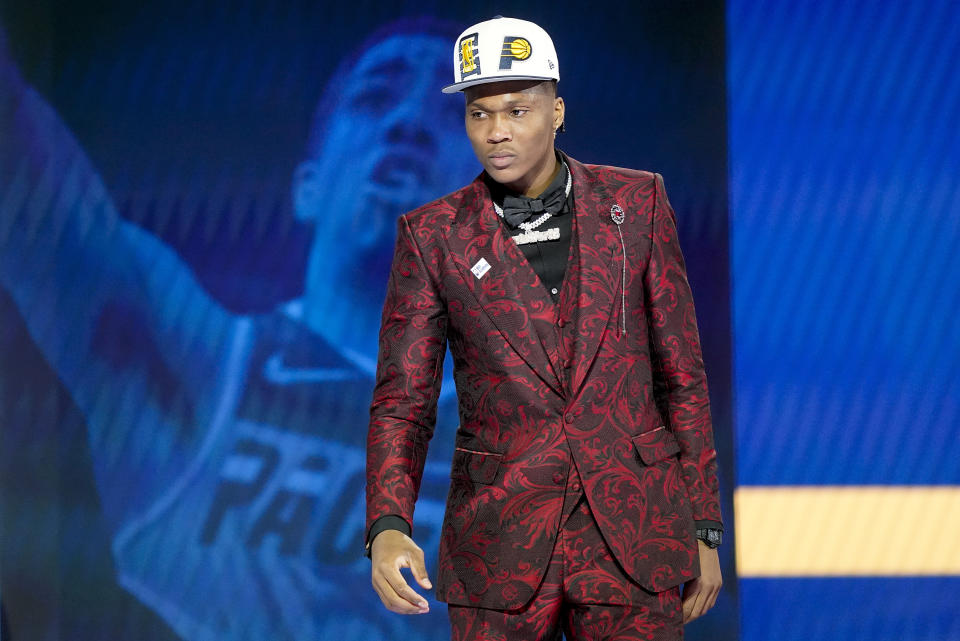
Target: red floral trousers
x: 584, y: 595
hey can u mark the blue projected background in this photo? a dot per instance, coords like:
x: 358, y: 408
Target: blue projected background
x: 844, y: 137
x: 197, y: 208
x: 845, y: 157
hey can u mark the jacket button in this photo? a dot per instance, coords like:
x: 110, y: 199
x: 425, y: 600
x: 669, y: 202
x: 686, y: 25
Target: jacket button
x: 567, y: 363
x: 561, y: 323
x: 568, y: 418
x: 558, y: 478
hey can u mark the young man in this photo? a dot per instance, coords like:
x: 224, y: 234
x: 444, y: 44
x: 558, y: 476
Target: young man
x: 584, y: 472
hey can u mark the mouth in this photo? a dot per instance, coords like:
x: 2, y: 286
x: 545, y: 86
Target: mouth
x: 400, y: 174
x: 501, y: 159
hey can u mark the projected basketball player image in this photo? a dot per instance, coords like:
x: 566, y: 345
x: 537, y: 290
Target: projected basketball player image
x: 226, y: 450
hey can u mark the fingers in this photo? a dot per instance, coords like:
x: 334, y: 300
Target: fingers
x: 712, y: 600
x: 411, y: 601
x: 691, y: 592
x: 700, y: 594
x: 419, y: 569
x: 698, y: 598
x: 699, y: 605
x: 394, y: 591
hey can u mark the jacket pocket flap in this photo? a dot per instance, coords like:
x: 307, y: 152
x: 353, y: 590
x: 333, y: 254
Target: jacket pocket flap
x: 479, y: 467
x: 656, y: 445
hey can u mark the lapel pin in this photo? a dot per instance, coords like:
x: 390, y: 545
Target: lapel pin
x: 616, y: 213
x: 480, y: 268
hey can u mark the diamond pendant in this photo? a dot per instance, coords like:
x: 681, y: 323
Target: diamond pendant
x: 536, y: 235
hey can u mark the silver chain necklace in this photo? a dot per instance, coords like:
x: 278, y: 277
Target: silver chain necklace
x: 546, y: 215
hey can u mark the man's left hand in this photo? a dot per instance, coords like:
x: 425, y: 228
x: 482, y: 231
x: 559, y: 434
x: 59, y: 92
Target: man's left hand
x: 700, y: 594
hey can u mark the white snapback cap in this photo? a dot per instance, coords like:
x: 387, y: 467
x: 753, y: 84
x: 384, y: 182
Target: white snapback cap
x: 502, y: 49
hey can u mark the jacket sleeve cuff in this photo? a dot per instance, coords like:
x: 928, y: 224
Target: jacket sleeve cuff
x: 700, y: 525
x: 388, y: 522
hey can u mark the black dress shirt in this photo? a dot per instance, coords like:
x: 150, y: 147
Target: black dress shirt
x: 547, y: 258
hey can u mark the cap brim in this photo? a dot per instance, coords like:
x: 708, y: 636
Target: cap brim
x: 460, y: 86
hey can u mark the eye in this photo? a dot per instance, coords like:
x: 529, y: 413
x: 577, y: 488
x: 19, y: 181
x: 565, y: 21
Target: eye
x: 372, y: 99
x: 517, y: 112
x: 477, y: 115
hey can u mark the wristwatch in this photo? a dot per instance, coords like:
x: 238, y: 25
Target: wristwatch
x: 711, y: 536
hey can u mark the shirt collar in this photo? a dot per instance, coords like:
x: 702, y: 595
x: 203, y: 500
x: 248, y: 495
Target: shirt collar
x: 498, y: 191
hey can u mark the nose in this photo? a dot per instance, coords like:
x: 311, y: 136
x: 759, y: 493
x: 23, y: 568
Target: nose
x: 499, y: 130
x: 411, y: 132
x: 407, y: 123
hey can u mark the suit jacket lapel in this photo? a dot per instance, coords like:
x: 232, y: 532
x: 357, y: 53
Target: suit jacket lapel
x: 594, y: 275
x: 508, y: 291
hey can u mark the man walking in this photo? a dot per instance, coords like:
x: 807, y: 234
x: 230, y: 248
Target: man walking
x: 584, y: 489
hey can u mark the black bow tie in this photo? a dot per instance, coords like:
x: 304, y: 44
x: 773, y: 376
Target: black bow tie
x: 520, y: 209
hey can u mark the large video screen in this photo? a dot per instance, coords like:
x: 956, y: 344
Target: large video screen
x: 197, y: 208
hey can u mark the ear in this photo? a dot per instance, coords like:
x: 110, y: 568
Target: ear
x: 307, y: 190
x: 559, y: 113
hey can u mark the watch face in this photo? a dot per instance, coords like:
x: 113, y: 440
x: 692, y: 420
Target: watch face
x: 713, y: 538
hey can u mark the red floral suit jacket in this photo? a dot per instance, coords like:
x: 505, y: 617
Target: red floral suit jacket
x: 629, y: 409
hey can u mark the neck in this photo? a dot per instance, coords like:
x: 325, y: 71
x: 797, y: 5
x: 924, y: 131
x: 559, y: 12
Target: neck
x: 341, y: 305
x: 542, y: 179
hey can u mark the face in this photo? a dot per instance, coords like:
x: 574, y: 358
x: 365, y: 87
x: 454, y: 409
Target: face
x: 511, y: 127
x: 393, y: 142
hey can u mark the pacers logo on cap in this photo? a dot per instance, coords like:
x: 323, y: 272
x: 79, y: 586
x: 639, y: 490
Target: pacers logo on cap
x: 521, y: 57
x: 469, y: 56
x: 514, y: 48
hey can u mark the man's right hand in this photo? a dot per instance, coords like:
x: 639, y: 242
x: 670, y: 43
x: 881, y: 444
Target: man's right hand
x: 390, y: 551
